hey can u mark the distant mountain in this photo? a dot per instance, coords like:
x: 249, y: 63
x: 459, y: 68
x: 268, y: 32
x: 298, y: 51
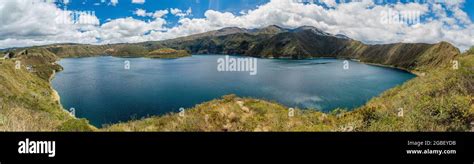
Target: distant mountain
x: 439, y: 101
x: 277, y: 42
x: 307, y: 42
x: 273, y: 29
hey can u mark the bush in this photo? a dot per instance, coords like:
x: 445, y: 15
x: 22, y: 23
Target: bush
x: 76, y: 125
x: 229, y: 98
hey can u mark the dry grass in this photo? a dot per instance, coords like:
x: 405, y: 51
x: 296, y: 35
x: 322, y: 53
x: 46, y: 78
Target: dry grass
x: 28, y: 101
x: 440, y: 101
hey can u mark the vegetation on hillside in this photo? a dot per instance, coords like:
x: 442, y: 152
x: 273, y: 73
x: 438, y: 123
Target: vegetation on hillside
x: 231, y: 113
x: 167, y: 53
x: 441, y: 100
x: 28, y: 103
x: 118, y: 50
x: 308, y: 42
x: 471, y: 51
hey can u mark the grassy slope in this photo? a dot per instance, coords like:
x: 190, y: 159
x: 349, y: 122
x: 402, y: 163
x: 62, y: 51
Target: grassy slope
x: 28, y: 103
x: 167, y: 53
x: 304, y: 42
x: 440, y: 101
x: 232, y: 113
x: 119, y: 50
x: 416, y: 57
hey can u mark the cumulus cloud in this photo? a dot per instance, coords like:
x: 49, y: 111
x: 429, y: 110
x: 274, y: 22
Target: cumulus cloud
x: 138, y: 1
x: 181, y: 13
x: 22, y: 25
x: 160, y: 13
x: 330, y: 3
x: 156, y: 14
x: 128, y: 30
x: 140, y: 12
x: 361, y: 20
x: 113, y: 2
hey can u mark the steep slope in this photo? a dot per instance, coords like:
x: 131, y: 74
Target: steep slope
x: 167, y: 53
x: 411, y: 56
x: 231, y: 113
x: 277, y: 42
x: 307, y: 42
x: 28, y: 102
x: 269, y: 30
x: 303, y: 42
x: 118, y: 50
x: 443, y: 100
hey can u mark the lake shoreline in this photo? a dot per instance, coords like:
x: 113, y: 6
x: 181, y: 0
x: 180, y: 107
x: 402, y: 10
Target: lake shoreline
x: 275, y: 100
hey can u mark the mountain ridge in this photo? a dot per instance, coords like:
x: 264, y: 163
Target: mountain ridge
x: 439, y: 101
x: 307, y: 42
x: 276, y: 42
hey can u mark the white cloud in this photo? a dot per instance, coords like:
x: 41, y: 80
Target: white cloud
x: 22, y: 26
x: 181, y: 13
x: 113, y: 2
x: 141, y: 12
x: 175, y: 11
x: 128, y: 30
x: 358, y: 20
x: 138, y: 1
x: 160, y: 13
x: 156, y: 14
x: 330, y: 3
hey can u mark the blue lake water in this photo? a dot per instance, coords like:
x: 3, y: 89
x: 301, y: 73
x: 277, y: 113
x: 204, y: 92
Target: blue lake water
x: 103, y: 91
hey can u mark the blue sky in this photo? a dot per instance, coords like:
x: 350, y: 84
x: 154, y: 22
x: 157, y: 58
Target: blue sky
x: 469, y: 8
x: 125, y: 8
x: 42, y: 22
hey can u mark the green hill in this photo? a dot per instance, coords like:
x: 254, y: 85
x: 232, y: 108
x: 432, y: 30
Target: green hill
x: 167, y: 53
x: 28, y: 102
x: 308, y: 42
x: 441, y: 100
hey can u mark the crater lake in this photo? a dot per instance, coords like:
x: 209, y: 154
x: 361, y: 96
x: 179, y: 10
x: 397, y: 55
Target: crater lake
x: 104, y: 90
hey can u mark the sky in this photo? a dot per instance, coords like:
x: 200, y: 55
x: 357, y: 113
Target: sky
x: 40, y: 22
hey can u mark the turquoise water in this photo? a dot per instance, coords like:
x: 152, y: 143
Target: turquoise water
x: 103, y: 91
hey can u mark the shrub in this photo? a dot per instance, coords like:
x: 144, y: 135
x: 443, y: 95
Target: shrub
x: 76, y: 125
